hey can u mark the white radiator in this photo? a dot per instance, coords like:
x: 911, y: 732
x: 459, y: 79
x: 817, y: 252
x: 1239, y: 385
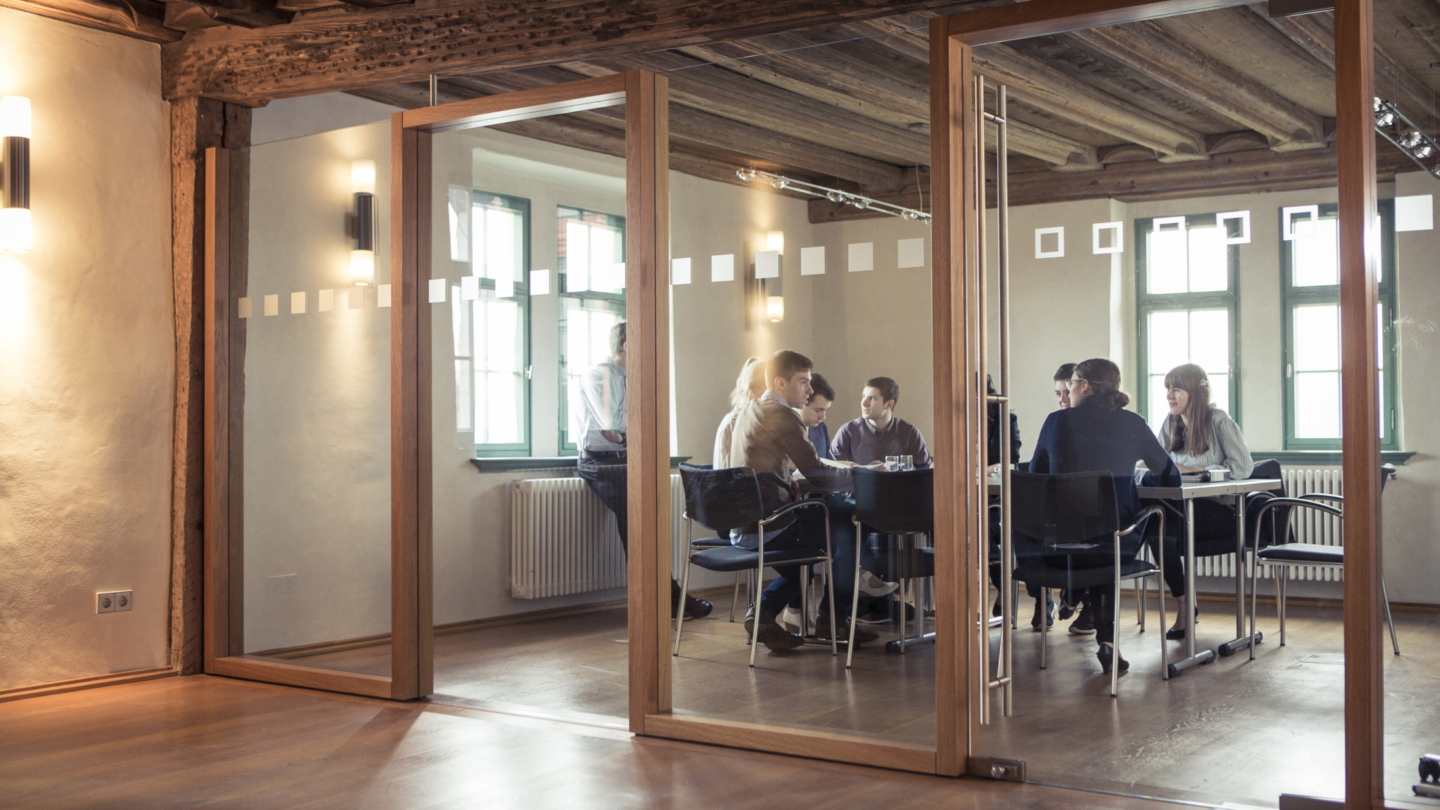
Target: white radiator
x: 563, y: 539
x: 1306, y: 526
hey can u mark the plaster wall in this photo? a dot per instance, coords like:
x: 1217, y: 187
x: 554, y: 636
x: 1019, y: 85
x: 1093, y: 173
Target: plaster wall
x: 86, y: 360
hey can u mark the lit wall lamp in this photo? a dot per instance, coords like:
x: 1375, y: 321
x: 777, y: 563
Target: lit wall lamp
x: 16, y: 233
x: 362, y: 258
x: 775, y: 240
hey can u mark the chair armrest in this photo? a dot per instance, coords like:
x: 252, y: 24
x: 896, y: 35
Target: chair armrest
x: 1145, y: 515
x: 791, y: 507
x: 1320, y: 496
x: 1296, y: 502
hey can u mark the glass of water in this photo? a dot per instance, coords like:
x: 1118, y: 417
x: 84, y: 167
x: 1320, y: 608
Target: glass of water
x: 892, y: 463
x: 907, y: 463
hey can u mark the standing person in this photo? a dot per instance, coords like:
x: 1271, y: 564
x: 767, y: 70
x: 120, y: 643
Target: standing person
x: 770, y: 438
x: 749, y: 385
x: 602, y: 449
x: 1199, y: 436
x: 879, y: 432
x: 1097, y: 433
x: 822, y: 396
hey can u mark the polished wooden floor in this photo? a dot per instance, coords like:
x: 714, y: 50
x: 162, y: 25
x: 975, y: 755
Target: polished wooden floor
x: 218, y: 743
x: 1234, y: 730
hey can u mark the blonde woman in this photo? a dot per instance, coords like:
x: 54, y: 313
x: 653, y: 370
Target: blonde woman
x: 749, y: 385
x: 1199, y: 437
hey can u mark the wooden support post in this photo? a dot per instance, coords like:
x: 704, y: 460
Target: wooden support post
x: 647, y: 274
x: 195, y: 125
x: 1359, y: 259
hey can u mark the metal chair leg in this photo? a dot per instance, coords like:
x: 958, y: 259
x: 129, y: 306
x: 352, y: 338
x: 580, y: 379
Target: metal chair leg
x: 1115, y: 637
x: 680, y: 617
x: 755, y: 625
x: 735, y: 597
x: 1282, y: 576
x: 1044, y: 608
x: 1385, y: 594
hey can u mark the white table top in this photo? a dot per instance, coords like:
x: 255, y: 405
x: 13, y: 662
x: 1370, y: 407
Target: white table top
x: 1211, y: 489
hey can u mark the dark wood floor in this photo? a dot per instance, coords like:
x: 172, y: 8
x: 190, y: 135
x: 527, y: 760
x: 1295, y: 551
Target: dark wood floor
x: 217, y: 743
x: 1234, y: 730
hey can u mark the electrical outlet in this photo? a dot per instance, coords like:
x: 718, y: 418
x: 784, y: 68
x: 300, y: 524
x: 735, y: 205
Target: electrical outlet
x: 124, y: 600
x: 104, y: 603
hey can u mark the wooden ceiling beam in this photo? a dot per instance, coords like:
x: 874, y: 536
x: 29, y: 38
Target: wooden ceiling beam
x: 1154, y: 53
x: 116, y: 19
x: 406, y: 43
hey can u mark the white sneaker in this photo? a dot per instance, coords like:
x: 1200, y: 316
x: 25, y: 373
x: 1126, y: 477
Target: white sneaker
x: 871, y: 585
x: 790, y: 620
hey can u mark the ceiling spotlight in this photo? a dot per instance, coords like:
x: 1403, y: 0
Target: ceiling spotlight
x: 1423, y: 151
x: 861, y: 203
x: 746, y: 174
x: 835, y: 197
x: 911, y: 215
x: 1411, y: 140
x: 1385, y: 119
x: 779, y: 182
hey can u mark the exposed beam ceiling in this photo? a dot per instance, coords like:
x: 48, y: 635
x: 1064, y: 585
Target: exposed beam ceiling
x: 130, y: 20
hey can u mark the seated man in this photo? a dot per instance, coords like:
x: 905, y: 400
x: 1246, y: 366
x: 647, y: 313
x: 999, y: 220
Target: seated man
x: 822, y: 396
x: 769, y: 437
x: 879, y: 432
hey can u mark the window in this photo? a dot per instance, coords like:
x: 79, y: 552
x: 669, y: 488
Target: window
x: 1188, y: 308
x: 1310, y: 268
x: 490, y: 314
x: 592, y: 301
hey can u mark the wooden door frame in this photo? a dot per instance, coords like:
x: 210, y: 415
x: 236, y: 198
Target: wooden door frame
x: 955, y: 286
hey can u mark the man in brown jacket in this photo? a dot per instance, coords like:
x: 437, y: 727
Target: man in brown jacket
x: 769, y: 437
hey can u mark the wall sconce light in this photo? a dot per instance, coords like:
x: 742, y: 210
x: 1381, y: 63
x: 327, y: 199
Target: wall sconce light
x: 775, y: 308
x: 775, y: 240
x: 16, y: 234
x: 362, y: 258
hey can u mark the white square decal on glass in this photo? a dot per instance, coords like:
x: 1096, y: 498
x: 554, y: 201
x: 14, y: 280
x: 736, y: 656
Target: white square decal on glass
x: 1050, y: 248
x: 1243, y: 217
x: 862, y: 257
x: 469, y: 288
x: 272, y: 305
x: 539, y: 282
x: 327, y: 300
x: 722, y: 268
x: 297, y: 303
x: 1287, y: 219
x: 767, y: 264
x: 1108, y: 237
x: 1415, y: 213
x: 437, y: 290
x: 1164, y: 223
x: 384, y: 295
x: 680, y: 271
x: 911, y: 253
x: 244, y: 308
x: 812, y: 261
x: 504, y: 288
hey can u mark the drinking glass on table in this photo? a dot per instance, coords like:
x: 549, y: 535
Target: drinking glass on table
x: 892, y: 463
x: 907, y: 463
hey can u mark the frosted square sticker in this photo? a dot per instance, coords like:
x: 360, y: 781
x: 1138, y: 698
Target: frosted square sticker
x: 812, y: 261
x: 297, y: 303
x: 722, y: 268
x: 910, y: 253
x: 437, y: 290
x: 504, y: 288
x: 767, y: 264
x: 1415, y: 213
x: 862, y: 257
x: 383, y: 293
x: 469, y: 289
x: 539, y: 282
x: 1236, y: 226
x: 1050, y: 243
x: 1108, y: 237
x: 680, y: 271
x: 1288, y: 218
x: 272, y: 305
x: 244, y: 308
x: 327, y: 300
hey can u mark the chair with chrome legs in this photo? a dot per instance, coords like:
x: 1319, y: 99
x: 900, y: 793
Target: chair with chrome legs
x: 1071, y: 514
x: 725, y: 500
x: 721, y: 542
x: 1283, y: 556
x: 896, y: 504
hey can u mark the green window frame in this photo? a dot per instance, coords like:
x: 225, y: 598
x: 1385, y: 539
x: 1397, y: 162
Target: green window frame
x: 1296, y: 297
x: 492, y: 328
x: 1194, y: 308
x: 592, y: 295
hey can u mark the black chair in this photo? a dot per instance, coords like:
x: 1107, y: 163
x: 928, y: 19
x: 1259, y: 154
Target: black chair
x: 896, y: 503
x: 720, y: 542
x: 1072, y: 514
x: 723, y: 500
x: 1284, y: 555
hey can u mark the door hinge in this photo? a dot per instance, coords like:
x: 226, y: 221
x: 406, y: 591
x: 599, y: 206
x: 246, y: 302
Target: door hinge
x: 1005, y: 770
x: 528, y: 369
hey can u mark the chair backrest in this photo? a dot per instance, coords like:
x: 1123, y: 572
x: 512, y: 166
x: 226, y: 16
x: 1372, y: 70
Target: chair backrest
x: 1269, y: 468
x: 721, y: 500
x: 1387, y: 471
x: 895, y: 502
x: 1065, y: 512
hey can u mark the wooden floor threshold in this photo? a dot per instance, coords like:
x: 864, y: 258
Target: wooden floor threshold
x: 77, y: 684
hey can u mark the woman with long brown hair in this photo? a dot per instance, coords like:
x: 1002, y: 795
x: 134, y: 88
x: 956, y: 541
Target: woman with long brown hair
x: 1199, y: 437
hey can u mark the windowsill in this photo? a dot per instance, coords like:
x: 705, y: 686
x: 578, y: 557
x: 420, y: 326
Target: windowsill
x: 1326, y: 457
x: 501, y: 465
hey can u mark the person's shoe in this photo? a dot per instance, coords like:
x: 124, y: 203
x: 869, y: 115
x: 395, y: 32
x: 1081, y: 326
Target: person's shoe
x: 1084, y: 624
x: 999, y: 607
x: 1177, y: 631
x: 1049, y: 614
x: 871, y: 585
x: 790, y: 620
x: 772, y: 635
x: 842, y: 631
x: 694, y: 608
x: 884, y: 612
x: 1066, y: 610
x: 1106, y: 654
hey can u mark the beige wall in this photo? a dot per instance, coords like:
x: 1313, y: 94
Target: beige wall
x: 86, y: 360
